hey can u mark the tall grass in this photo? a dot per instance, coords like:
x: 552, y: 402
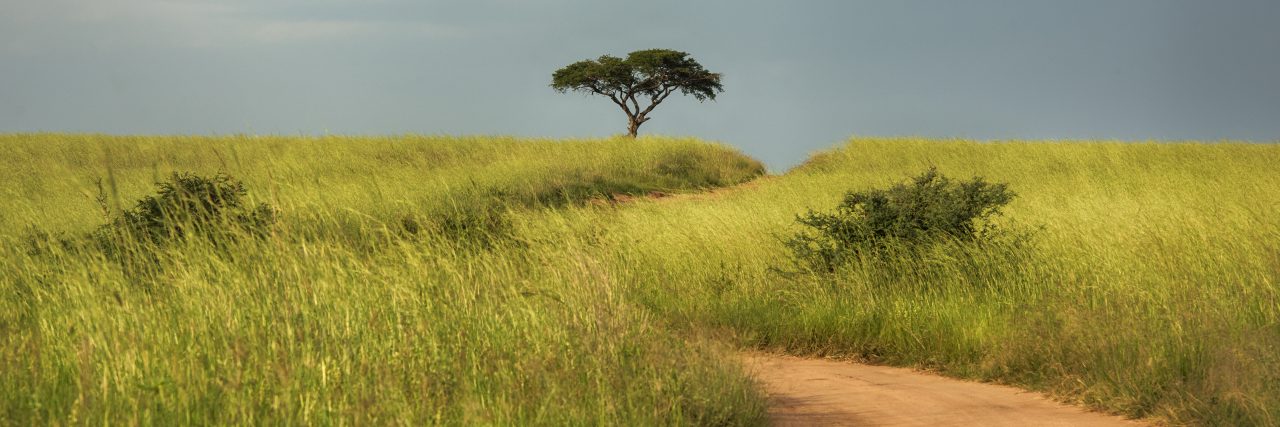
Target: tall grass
x: 345, y: 313
x: 1151, y: 287
x: 445, y: 280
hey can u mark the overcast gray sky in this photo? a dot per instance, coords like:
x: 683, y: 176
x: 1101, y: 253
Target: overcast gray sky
x: 799, y: 75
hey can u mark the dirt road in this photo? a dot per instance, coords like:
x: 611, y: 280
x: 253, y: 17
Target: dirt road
x: 805, y: 392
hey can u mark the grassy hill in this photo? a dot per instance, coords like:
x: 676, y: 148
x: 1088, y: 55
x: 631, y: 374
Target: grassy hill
x: 491, y: 280
x: 395, y: 289
x: 1151, y: 286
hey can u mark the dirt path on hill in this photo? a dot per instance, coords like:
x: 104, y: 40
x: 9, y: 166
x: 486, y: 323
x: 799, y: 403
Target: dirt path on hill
x: 804, y: 392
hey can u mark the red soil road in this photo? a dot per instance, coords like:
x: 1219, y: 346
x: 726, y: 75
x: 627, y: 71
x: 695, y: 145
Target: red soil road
x: 807, y: 392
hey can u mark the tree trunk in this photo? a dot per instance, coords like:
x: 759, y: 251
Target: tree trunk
x: 633, y: 127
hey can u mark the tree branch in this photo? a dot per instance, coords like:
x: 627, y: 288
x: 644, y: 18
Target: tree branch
x: 632, y: 97
x: 656, y: 99
x: 615, y: 100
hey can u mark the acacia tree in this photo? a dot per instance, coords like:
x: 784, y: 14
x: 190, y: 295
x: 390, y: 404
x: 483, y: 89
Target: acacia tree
x: 646, y: 76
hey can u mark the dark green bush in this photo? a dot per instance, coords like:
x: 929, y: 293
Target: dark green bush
x: 189, y: 204
x: 927, y: 209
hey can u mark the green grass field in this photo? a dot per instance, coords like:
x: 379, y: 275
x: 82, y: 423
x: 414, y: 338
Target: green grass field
x: 341, y: 316
x: 1152, y: 287
x: 1149, y: 287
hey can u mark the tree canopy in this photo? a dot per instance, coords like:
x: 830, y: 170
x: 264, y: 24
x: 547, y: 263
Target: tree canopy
x: 640, y: 82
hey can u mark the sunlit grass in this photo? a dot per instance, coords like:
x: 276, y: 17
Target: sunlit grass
x: 342, y: 314
x: 1151, y: 289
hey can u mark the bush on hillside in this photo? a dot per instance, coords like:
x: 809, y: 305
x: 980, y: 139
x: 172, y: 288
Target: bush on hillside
x: 189, y: 204
x: 927, y: 209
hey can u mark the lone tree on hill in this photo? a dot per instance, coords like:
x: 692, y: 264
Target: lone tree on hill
x: 646, y: 75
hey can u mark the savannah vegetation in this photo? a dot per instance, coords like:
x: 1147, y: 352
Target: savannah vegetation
x: 640, y: 82
x: 396, y: 282
x: 1138, y: 278
x: 499, y: 281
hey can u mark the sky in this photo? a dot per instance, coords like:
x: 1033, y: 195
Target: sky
x: 799, y: 75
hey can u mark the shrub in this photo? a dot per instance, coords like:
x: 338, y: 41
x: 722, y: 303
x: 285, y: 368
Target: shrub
x: 927, y: 209
x: 189, y: 204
